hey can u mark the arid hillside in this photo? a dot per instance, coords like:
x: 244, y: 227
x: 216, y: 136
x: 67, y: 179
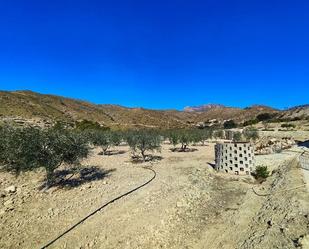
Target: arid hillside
x: 31, y: 105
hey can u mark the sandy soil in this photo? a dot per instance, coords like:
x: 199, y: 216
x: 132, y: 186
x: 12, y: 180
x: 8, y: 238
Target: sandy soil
x: 188, y: 205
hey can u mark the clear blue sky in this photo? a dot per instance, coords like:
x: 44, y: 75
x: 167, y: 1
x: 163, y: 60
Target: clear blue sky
x: 158, y: 54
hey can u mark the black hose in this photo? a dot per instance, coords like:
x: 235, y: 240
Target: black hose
x: 100, y: 208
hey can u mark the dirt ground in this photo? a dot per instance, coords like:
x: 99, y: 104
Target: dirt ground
x: 187, y: 205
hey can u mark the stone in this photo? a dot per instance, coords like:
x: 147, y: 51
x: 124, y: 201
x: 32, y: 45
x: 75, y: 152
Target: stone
x: 11, y: 189
x: 8, y: 203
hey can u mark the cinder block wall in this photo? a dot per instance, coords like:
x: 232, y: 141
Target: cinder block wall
x: 235, y: 158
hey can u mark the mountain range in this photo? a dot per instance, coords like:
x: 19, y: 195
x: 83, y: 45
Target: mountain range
x: 48, y: 108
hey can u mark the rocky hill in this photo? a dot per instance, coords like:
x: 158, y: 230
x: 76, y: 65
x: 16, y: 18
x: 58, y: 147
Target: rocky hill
x: 19, y: 105
x: 297, y: 112
x: 203, y: 108
x: 28, y: 105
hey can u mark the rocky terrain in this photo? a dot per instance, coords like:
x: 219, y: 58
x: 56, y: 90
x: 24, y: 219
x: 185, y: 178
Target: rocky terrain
x: 270, y: 145
x: 187, y: 205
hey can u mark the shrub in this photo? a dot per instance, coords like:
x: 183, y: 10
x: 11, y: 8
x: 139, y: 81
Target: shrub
x: 264, y: 116
x: 89, y: 125
x: 230, y: 124
x: 250, y: 122
x: 142, y: 141
x: 287, y: 125
x: 261, y: 173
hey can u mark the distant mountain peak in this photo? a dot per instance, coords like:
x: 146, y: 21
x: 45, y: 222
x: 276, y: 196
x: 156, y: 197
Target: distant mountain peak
x: 203, y: 108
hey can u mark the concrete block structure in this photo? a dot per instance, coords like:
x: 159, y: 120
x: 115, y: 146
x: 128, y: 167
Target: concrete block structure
x: 235, y: 157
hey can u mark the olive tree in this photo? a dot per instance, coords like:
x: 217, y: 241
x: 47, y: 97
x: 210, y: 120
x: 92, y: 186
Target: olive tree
x: 237, y: 136
x: 20, y: 149
x: 173, y: 137
x: 251, y: 134
x: 104, y: 139
x: 185, y: 137
x: 61, y: 147
x: 142, y: 141
x: 205, y: 134
x: 26, y: 149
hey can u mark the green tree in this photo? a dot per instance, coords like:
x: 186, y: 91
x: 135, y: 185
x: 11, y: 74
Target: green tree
x: 185, y: 138
x: 173, y: 137
x: 205, y: 134
x: 30, y: 148
x: 61, y: 147
x: 230, y: 124
x: 104, y: 139
x: 142, y: 141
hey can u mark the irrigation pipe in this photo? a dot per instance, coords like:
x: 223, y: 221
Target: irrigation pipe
x: 100, y: 208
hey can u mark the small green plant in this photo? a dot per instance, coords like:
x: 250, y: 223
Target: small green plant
x: 261, y: 173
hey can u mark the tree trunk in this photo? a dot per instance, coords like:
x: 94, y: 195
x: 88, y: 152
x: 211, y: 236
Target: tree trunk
x: 105, y: 150
x: 143, y: 155
x: 50, y: 178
